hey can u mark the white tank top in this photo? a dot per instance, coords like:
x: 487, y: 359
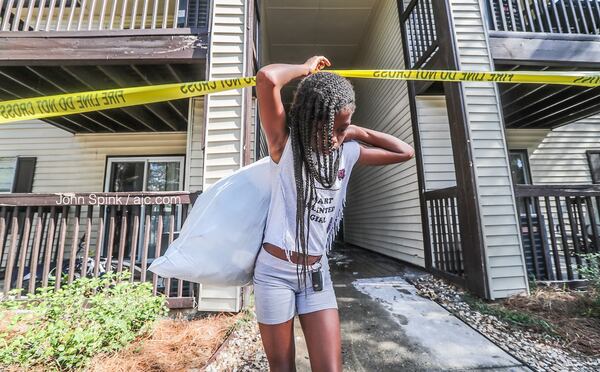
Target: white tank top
x: 325, y: 216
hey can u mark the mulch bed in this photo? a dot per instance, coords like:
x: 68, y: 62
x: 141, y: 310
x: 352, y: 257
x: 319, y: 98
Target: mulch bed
x: 574, y: 315
x: 174, y: 345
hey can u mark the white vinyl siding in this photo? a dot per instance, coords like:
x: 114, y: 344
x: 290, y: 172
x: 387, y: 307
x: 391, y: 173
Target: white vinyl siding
x: 505, y: 265
x: 436, y: 146
x: 224, y: 129
x: 195, y: 147
x: 525, y: 139
x: 76, y: 163
x: 383, y: 210
x: 559, y: 156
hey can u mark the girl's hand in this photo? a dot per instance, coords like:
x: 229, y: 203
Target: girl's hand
x: 317, y: 63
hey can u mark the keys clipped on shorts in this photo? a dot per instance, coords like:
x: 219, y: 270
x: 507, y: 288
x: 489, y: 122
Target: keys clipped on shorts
x: 316, y: 276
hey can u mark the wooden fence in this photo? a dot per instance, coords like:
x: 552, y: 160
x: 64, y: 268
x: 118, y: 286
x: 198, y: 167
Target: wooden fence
x: 445, y: 241
x: 88, y: 234
x: 559, y: 224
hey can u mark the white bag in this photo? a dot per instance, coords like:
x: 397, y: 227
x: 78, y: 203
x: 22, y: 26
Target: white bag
x: 222, y: 235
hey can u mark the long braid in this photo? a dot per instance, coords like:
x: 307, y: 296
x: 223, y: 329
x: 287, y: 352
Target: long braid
x: 318, y: 99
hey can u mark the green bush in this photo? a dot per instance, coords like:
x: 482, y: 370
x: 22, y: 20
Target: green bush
x: 591, y: 272
x: 63, y: 329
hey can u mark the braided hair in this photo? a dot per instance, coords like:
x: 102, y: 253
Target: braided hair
x: 318, y: 98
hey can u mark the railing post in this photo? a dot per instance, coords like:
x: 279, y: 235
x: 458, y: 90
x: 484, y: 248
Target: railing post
x: 425, y: 222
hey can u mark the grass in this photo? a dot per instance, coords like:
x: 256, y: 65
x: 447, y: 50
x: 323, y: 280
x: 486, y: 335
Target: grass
x: 514, y: 317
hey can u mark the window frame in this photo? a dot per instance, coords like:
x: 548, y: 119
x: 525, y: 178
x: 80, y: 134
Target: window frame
x: 23, y: 174
x: 14, y: 173
x: 527, y: 164
x: 146, y: 158
x: 589, y: 154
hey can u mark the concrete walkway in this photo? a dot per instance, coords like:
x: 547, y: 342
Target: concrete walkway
x: 386, y: 326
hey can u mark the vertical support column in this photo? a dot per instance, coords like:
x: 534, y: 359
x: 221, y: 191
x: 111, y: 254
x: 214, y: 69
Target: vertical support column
x: 488, y: 218
x: 225, y: 118
x: 225, y: 111
x: 194, y: 160
x: 471, y: 235
x: 249, y: 120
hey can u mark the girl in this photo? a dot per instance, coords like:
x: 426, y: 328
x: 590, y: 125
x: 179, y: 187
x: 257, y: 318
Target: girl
x: 313, y: 150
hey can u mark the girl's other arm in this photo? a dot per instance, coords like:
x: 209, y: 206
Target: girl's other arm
x: 386, y: 149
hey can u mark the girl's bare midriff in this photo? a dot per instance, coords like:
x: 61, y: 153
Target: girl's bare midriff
x: 295, y: 257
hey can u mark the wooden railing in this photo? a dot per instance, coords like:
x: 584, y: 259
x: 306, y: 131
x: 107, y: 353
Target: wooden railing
x: 446, y: 248
x: 52, y: 238
x: 559, y: 224
x: 96, y: 15
x: 545, y: 16
x: 418, y: 19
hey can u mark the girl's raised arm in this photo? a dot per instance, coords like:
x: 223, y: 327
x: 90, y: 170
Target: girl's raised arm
x: 386, y: 149
x: 269, y: 81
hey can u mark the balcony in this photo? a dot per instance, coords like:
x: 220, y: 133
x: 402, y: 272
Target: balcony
x: 66, y: 46
x: 93, y: 15
x: 545, y: 35
x: 88, y: 234
x: 580, y: 17
x: 545, y: 32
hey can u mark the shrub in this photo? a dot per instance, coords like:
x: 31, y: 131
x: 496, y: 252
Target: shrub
x: 591, y: 272
x: 62, y: 329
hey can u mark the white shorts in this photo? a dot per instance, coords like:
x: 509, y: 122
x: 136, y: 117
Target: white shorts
x: 277, y: 291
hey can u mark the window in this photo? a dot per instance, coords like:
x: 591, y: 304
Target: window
x: 197, y: 13
x: 135, y: 174
x: 519, y: 167
x: 144, y: 174
x: 16, y: 174
x: 7, y: 173
x: 594, y: 161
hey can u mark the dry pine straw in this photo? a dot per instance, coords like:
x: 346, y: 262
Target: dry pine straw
x: 566, y: 311
x: 174, y: 345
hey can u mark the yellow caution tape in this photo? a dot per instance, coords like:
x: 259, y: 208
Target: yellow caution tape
x: 75, y: 103
x: 585, y: 79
